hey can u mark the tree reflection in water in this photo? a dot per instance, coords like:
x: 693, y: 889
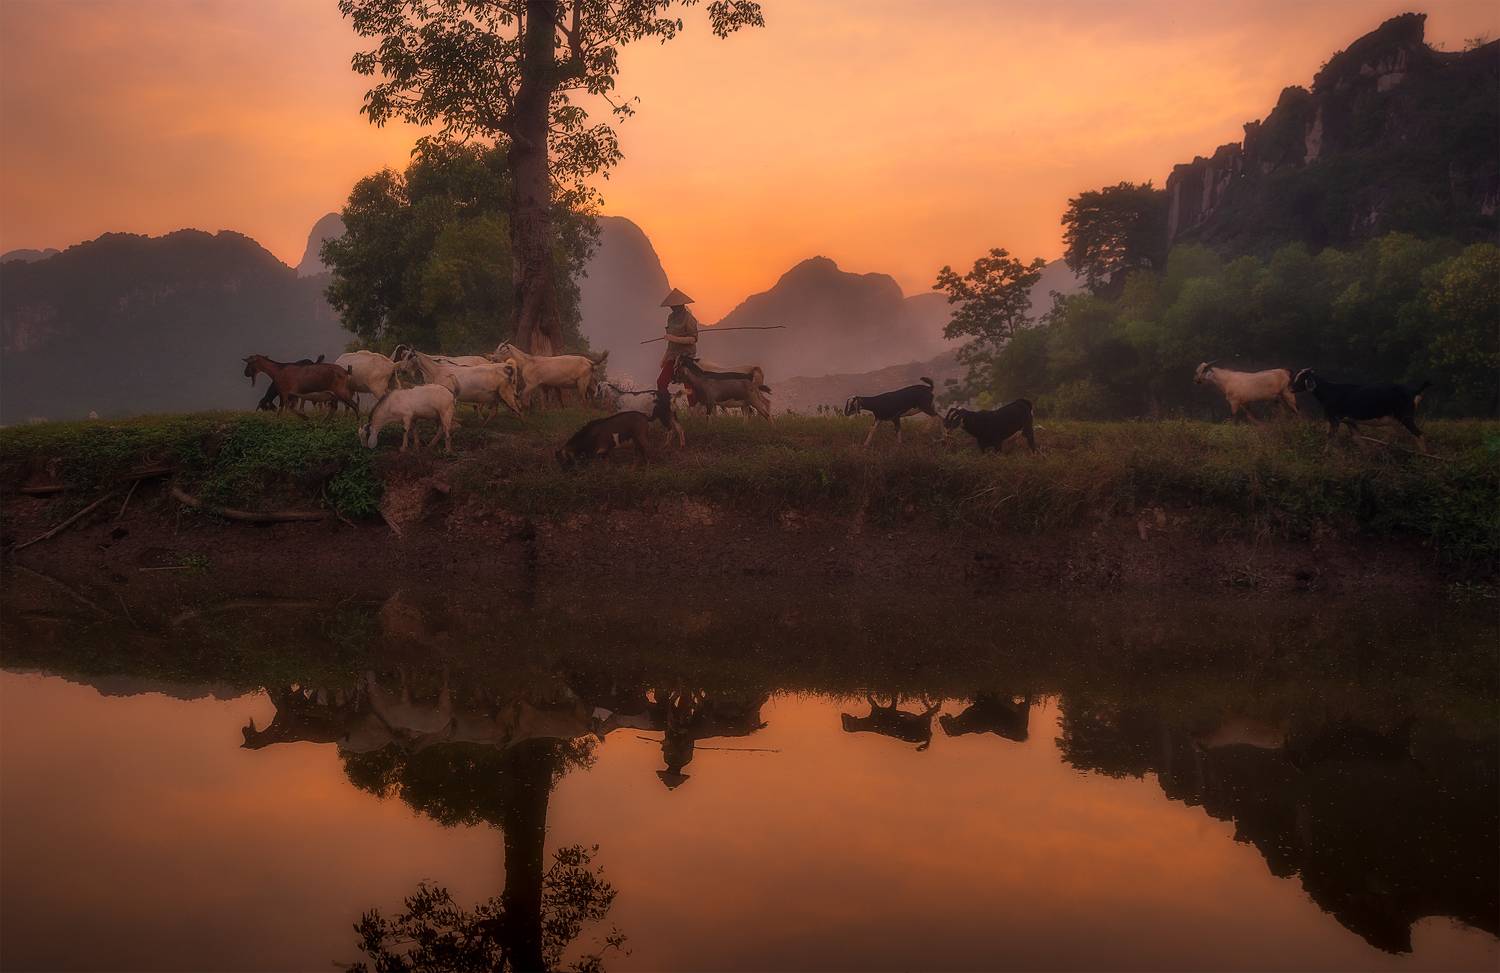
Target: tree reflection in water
x: 1384, y: 820
x: 540, y: 912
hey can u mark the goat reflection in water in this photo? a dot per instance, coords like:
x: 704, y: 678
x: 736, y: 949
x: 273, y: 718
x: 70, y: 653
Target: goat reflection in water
x: 1380, y: 817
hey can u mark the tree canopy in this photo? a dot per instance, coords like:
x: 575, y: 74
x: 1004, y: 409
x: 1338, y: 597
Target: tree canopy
x: 992, y: 304
x: 1111, y: 231
x: 426, y: 256
x: 1396, y: 309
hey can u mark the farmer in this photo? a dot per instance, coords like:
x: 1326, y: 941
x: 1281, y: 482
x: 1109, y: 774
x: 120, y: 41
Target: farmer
x: 682, y: 336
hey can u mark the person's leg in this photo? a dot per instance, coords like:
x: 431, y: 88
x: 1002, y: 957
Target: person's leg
x: 665, y: 378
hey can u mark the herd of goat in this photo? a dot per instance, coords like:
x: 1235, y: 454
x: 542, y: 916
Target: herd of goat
x: 511, y: 378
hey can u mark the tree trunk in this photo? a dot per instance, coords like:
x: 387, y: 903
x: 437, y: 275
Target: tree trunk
x: 529, y: 778
x: 538, y: 324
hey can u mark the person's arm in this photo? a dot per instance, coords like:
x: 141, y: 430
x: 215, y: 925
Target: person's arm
x: 682, y: 339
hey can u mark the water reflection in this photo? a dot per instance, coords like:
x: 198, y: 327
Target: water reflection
x: 1366, y: 771
x: 1385, y: 822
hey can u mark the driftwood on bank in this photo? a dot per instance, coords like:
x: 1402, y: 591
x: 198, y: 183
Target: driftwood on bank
x: 65, y: 524
x: 134, y: 476
x: 247, y: 516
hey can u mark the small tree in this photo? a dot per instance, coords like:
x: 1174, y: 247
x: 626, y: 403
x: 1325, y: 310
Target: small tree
x: 1111, y: 231
x: 993, y: 304
x: 509, y: 70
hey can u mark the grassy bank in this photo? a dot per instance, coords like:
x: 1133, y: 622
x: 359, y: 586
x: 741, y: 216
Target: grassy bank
x: 1277, y: 480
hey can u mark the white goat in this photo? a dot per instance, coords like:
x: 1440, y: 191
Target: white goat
x: 490, y: 384
x: 551, y: 371
x: 1242, y: 388
x: 369, y: 371
x: 408, y: 405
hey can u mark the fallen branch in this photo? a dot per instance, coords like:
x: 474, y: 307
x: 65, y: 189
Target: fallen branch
x: 65, y: 524
x: 247, y: 516
x: 1404, y: 449
x: 242, y: 604
x: 128, y: 495
x: 45, y: 490
x: 67, y: 589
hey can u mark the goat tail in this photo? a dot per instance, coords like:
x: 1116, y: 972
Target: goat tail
x: 766, y: 389
x: 927, y: 380
x: 1417, y: 395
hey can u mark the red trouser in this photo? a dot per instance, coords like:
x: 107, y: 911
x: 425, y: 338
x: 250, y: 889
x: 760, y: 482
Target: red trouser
x: 665, y: 379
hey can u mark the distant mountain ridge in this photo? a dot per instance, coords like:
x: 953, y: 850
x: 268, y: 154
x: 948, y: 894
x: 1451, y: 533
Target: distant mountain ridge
x: 127, y: 324
x: 806, y: 393
x: 27, y: 256
x: 329, y: 227
x: 1392, y: 135
x: 620, y: 298
x: 834, y: 320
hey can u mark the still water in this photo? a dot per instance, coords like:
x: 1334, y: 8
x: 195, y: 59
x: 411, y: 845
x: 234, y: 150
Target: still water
x: 763, y: 779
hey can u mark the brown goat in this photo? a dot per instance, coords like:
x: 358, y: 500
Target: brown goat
x: 294, y: 380
x: 601, y: 436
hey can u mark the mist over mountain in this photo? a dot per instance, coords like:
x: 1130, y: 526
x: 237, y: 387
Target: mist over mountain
x: 834, y: 321
x: 1392, y: 135
x: 806, y: 393
x: 620, y: 298
x: 329, y: 227
x: 128, y: 324
x: 27, y: 256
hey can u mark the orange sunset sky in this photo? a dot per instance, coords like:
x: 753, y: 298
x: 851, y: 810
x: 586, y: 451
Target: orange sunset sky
x: 890, y: 135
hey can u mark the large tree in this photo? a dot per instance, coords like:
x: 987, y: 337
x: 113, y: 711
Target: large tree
x: 1111, y: 231
x: 426, y: 259
x: 514, y: 71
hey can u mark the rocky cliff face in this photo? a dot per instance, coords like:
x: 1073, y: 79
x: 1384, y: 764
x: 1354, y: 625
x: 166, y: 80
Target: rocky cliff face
x: 1393, y: 135
x: 330, y: 227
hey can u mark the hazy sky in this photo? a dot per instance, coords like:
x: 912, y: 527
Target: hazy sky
x: 890, y: 135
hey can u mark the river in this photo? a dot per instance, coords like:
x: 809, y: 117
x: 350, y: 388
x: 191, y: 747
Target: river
x: 748, y: 780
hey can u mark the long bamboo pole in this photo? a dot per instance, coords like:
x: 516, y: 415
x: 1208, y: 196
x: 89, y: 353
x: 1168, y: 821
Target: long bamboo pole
x: 743, y: 327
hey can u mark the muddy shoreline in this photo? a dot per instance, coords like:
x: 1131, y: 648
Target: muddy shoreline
x: 158, y: 547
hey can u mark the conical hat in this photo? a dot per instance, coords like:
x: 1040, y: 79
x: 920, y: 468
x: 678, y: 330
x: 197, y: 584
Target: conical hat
x: 675, y: 299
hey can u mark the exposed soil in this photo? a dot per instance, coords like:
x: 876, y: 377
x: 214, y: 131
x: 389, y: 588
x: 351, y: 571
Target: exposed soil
x: 458, y: 543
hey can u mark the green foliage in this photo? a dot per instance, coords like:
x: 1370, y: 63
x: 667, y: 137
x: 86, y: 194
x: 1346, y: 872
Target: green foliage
x: 252, y: 461
x: 427, y: 258
x: 1397, y: 309
x: 1281, y: 479
x: 433, y: 934
x: 476, y: 67
x: 993, y: 304
x: 1111, y: 231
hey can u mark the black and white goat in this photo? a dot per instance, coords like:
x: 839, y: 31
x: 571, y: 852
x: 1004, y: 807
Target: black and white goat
x: 1363, y: 403
x: 992, y: 427
x: 892, y: 406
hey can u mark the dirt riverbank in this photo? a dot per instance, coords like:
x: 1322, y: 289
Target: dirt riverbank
x: 159, y: 546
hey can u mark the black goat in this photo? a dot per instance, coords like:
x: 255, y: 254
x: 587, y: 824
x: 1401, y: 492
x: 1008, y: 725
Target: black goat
x: 992, y: 427
x: 891, y: 406
x: 1363, y: 403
